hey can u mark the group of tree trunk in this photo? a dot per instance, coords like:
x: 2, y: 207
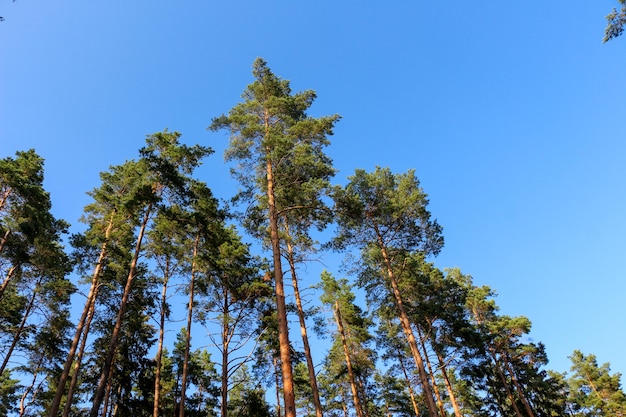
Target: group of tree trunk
x: 429, y: 342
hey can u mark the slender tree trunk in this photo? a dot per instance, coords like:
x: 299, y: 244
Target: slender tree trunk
x: 593, y: 386
x: 362, y: 396
x: 200, y: 393
x: 3, y: 242
x: 183, y: 387
x: 505, y: 384
x: 303, y: 332
x: 5, y: 196
x: 499, y: 372
x: 102, y: 382
x: 225, y: 352
x: 344, y: 406
x: 107, y: 398
x: 281, y: 309
x: 115, y: 407
x: 18, y: 333
x: 431, y: 372
x: 30, y: 388
x: 519, y: 389
x: 54, y: 407
x: 355, y: 394
x: 7, y: 279
x: 79, y: 358
x: 400, y: 355
x: 177, y: 394
x: 278, y: 408
x: 446, y: 380
x: 409, y: 384
x: 408, y: 331
x: 159, y: 355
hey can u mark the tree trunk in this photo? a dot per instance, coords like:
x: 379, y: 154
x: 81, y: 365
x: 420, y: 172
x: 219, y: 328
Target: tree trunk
x: 408, y: 331
x: 79, y: 358
x: 102, y: 382
x: 106, y: 410
x: 5, y: 196
x: 7, y: 279
x: 225, y: 352
x: 505, y: 384
x: 3, y: 242
x: 303, y: 332
x: 30, y: 388
x: 431, y: 372
x: 518, y: 388
x: 446, y: 380
x: 18, y: 333
x: 183, y: 383
x: 54, y: 407
x: 355, y: 394
x: 344, y: 406
x: 362, y: 396
x: 409, y: 384
x: 281, y: 310
x: 159, y: 355
x: 278, y: 408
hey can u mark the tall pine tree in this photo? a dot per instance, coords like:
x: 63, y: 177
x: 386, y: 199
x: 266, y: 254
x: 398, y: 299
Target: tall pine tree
x: 278, y: 147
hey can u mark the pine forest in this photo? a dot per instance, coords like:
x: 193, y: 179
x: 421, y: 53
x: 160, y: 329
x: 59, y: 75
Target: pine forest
x: 172, y: 302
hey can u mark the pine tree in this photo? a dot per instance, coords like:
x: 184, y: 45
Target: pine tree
x: 508, y: 374
x: 247, y: 398
x: 593, y: 390
x: 34, y: 289
x: 385, y: 216
x: 162, y: 174
x: 352, y: 340
x: 394, y: 350
x: 165, y: 250
x: 230, y: 297
x: 278, y: 147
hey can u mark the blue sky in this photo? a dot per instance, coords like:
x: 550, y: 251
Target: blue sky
x: 512, y: 115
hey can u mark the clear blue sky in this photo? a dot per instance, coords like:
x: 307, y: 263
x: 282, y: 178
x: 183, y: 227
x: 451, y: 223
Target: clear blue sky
x: 512, y: 115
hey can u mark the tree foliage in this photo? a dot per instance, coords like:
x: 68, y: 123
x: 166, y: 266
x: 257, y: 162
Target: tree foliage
x: 616, y: 20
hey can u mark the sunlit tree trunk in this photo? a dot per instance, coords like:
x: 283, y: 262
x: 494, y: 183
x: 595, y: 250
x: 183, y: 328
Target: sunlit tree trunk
x: 346, y: 351
x: 103, y: 381
x: 344, y: 403
x: 89, y: 303
x: 18, y: 332
x: 3, y: 242
x: 303, y: 332
x: 281, y: 309
x: 31, y: 388
x: 278, y: 387
x: 79, y: 358
x: 159, y: 354
x: 505, y: 383
x: 7, y: 279
x: 408, y: 331
x: 225, y: 353
x: 7, y: 193
x: 518, y: 388
x: 446, y: 380
x: 409, y: 383
x: 431, y: 372
x: 183, y: 387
